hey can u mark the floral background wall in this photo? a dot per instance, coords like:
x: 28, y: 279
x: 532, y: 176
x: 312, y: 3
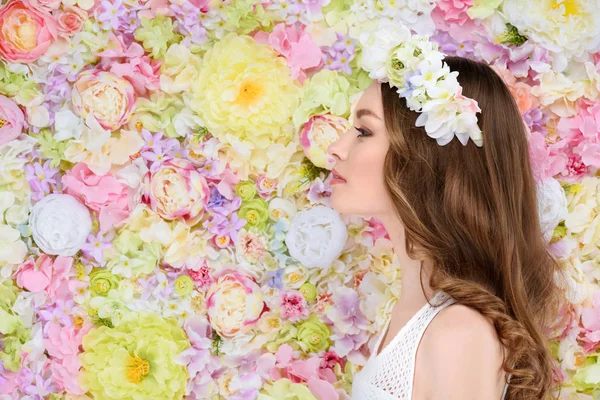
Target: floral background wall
x: 164, y: 229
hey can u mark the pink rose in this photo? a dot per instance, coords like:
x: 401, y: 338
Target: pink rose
x: 11, y: 120
x: 35, y: 276
x: 45, y: 5
x: 104, y: 95
x: 295, y: 45
x: 25, y: 32
x: 70, y: 20
x: 101, y: 193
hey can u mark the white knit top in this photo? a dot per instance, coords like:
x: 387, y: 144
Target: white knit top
x: 389, y: 375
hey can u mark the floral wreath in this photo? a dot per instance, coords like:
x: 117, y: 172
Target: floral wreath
x: 414, y: 65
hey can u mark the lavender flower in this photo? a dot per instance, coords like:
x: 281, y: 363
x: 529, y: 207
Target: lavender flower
x: 112, y: 11
x: 95, y: 246
x: 41, y: 178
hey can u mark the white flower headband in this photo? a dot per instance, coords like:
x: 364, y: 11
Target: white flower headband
x: 417, y: 69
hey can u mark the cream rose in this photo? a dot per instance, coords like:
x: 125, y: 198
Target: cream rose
x: 106, y: 96
x: 316, y: 237
x: 60, y: 224
x: 234, y: 303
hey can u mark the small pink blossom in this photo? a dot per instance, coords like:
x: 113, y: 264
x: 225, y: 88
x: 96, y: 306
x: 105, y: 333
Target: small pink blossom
x: 11, y: 120
x: 295, y: 45
x: 293, y: 306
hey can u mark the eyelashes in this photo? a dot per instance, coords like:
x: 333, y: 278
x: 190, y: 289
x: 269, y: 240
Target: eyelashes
x: 363, y: 132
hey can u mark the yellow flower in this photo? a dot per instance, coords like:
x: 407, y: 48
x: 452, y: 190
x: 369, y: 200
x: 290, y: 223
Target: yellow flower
x: 245, y: 94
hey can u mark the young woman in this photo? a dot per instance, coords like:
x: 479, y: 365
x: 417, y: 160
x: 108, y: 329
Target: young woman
x: 459, y: 205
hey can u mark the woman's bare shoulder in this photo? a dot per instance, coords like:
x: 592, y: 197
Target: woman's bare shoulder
x: 463, y: 354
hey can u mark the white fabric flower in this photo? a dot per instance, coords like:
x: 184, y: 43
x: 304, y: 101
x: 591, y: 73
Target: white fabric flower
x: 316, y: 237
x: 552, y: 206
x: 568, y: 28
x: 377, y: 46
x: 60, y: 224
x: 67, y: 125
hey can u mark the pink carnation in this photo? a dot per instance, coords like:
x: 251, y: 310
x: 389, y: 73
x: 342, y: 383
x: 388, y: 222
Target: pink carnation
x: 25, y: 32
x: 11, y: 120
x: 101, y: 193
x: 293, y: 306
x: 295, y: 45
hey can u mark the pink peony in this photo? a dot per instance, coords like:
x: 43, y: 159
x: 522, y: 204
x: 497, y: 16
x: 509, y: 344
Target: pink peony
x: 293, y: 306
x: 546, y: 161
x: 177, y: 190
x: 11, y: 120
x: 101, y: 193
x: 107, y: 97
x: 234, y: 303
x: 25, y: 32
x: 318, y: 134
x: 295, y: 45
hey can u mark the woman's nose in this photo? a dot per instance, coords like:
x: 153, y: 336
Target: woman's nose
x: 336, y: 149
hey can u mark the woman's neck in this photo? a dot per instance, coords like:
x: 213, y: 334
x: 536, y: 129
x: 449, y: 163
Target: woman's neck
x: 411, y: 294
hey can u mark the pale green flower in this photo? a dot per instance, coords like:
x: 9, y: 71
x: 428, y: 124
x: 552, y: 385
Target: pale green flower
x: 313, y: 335
x: 284, y: 389
x: 255, y: 212
x: 156, y: 35
x: 157, y: 113
x: 326, y: 92
x: 483, y: 8
x: 135, y: 360
x: 13, y: 331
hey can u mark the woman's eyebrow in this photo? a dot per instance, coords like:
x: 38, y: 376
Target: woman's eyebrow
x: 363, y: 112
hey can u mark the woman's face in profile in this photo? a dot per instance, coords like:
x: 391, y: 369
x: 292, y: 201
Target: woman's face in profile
x: 360, y: 153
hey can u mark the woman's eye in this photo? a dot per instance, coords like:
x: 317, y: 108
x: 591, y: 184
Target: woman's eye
x: 363, y: 132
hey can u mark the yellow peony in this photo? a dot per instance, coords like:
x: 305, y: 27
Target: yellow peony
x: 245, y: 95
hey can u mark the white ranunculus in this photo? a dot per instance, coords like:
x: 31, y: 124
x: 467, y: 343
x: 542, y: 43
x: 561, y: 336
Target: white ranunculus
x: 60, y: 224
x: 316, y: 237
x: 552, y: 206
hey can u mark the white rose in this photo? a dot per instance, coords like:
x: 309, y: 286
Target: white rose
x: 316, y: 237
x: 552, y: 206
x: 60, y: 224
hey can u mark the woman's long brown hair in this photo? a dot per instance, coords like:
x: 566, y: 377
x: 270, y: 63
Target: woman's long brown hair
x: 473, y: 212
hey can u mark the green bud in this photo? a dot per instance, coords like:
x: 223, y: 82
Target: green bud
x: 309, y: 291
x: 184, y: 285
x: 102, y: 281
x: 246, y: 190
